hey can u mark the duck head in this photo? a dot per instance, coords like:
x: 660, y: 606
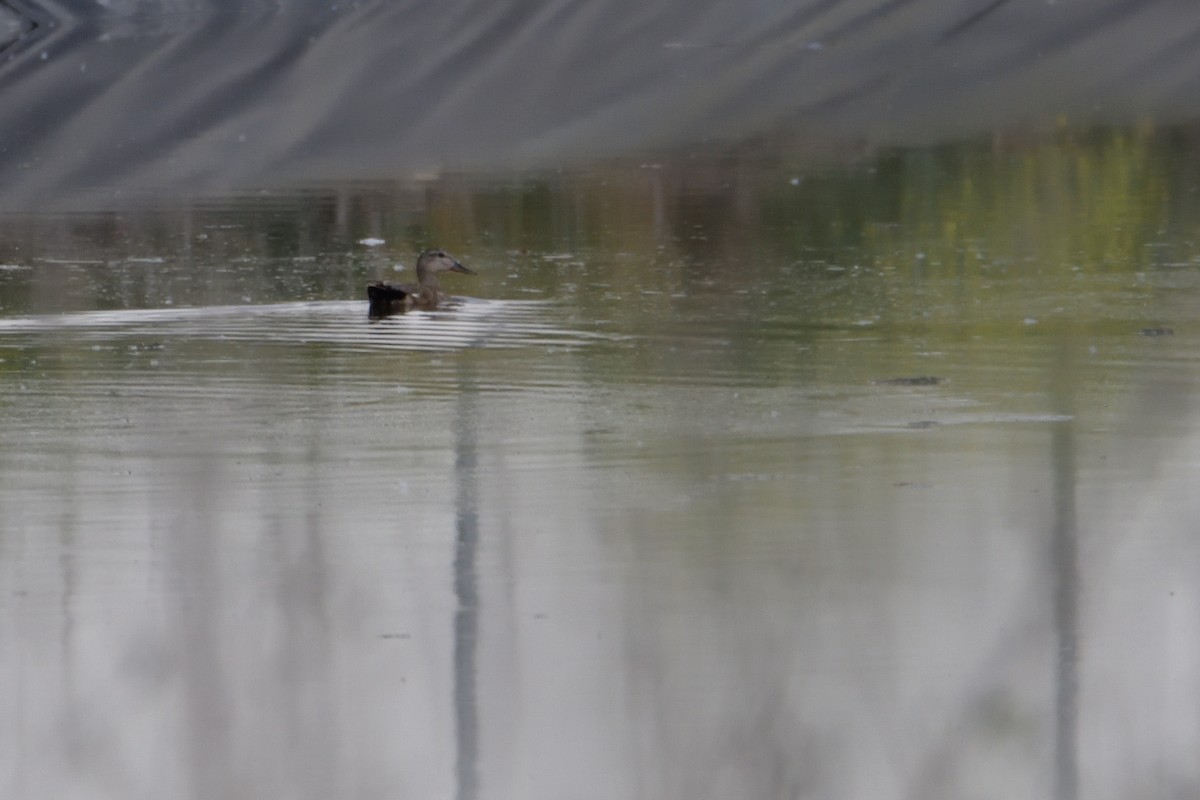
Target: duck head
x: 433, y: 262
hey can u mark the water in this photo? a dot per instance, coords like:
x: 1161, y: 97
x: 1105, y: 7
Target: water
x: 740, y: 475
x: 103, y: 101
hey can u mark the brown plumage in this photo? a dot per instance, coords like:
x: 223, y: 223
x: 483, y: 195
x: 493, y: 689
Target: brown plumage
x: 426, y: 293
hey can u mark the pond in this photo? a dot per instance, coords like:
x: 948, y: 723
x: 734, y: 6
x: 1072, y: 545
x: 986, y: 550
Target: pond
x: 737, y: 473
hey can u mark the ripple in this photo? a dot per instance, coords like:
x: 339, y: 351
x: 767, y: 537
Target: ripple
x: 470, y: 324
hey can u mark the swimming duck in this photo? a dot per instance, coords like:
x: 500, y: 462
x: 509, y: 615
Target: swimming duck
x: 426, y: 293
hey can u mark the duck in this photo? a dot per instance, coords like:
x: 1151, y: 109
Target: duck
x: 426, y: 294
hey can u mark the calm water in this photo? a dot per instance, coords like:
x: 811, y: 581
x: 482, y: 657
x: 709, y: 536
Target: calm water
x: 736, y: 475
x: 101, y: 99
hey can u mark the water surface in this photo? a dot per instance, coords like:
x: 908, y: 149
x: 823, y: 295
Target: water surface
x: 738, y: 475
x: 101, y: 101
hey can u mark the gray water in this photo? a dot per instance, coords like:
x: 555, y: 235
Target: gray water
x: 103, y: 101
x: 820, y: 423
x: 728, y: 478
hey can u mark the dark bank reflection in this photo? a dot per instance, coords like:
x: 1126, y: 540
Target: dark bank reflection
x: 466, y: 594
x: 737, y: 475
x: 1064, y: 566
x: 101, y: 101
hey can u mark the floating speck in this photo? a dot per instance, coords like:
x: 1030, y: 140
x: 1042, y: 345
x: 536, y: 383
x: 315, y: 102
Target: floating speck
x: 917, y: 380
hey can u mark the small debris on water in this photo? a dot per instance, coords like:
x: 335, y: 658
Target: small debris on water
x: 916, y: 380
x: 371, y: 241
x: 1156, y: 332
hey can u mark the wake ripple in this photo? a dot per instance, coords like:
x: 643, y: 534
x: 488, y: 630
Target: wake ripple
x: 470, y: 324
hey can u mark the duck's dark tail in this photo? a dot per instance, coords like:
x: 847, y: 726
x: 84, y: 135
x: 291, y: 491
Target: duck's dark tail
x: 379, y: 292
x: 384, y: 299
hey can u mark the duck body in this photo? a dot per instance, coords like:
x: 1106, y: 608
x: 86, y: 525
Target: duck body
x: 426, y: 294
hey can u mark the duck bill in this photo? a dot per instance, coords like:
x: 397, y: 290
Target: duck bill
x: 460, y: 268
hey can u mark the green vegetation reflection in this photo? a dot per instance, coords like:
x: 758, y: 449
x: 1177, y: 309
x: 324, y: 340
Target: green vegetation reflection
x: 755, y: 232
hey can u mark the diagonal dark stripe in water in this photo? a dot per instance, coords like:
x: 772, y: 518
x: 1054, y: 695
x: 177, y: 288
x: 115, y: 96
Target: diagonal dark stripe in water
x: 101, y: 102
x: 22, y: 23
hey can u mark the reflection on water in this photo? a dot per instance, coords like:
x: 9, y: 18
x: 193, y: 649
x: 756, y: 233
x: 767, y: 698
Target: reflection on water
x: 104, y: 100
x: 733, y: 478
